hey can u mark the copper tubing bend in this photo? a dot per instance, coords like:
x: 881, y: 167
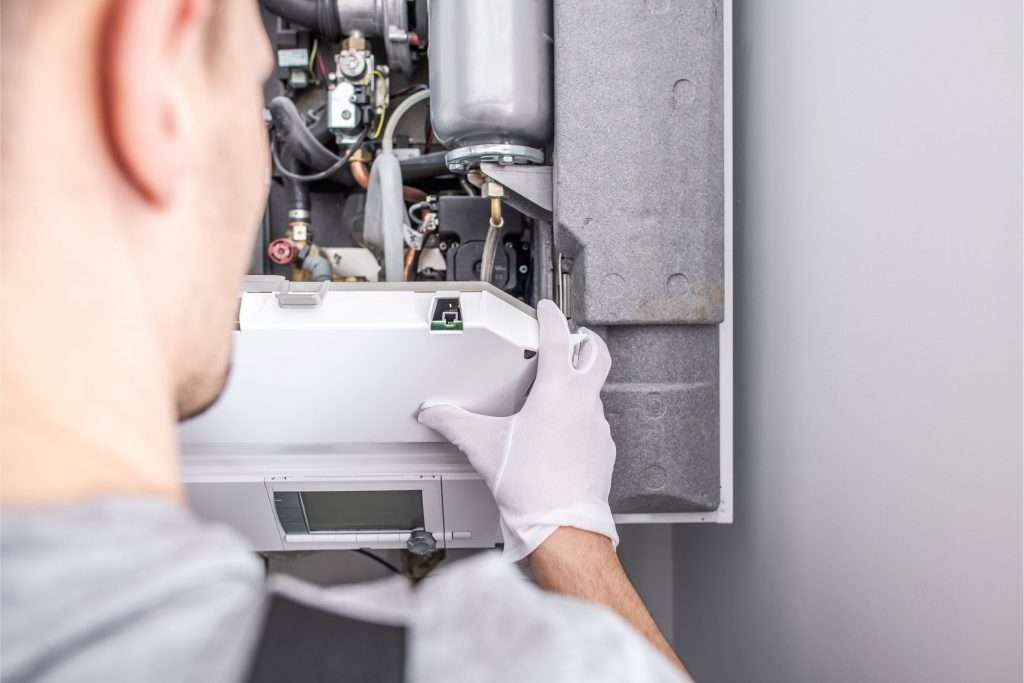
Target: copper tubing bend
x: 362, y: 177
x: 360, y: 173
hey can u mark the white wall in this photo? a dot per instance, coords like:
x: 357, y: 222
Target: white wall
x: 878, y: 382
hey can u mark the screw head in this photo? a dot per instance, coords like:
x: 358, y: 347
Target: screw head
x: 523, y: 268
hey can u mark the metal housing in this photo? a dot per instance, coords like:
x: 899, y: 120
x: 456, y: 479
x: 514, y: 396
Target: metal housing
x: 491, y: 72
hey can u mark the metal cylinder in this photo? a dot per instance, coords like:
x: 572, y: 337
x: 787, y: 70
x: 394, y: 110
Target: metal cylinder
x: 491, y: 72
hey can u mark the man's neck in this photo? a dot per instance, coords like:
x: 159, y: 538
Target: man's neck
x: 85, y: 404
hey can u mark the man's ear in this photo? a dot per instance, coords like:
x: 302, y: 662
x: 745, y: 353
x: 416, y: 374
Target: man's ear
x: 151, y: 49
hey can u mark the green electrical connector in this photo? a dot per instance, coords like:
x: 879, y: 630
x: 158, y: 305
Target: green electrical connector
x: 447, y: 315
x: 441, y: 326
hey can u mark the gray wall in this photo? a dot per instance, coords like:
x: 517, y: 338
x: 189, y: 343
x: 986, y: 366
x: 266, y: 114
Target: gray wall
x: 878, y: 383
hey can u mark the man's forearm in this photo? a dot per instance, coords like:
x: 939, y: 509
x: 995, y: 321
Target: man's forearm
x: 584, y: 565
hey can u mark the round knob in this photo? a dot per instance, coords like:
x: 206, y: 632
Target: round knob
x: 421, y: 542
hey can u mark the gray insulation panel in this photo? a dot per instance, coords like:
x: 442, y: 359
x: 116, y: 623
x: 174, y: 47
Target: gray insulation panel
x: 661, y: 401
x: 638, y: 208
x: 639, y: 158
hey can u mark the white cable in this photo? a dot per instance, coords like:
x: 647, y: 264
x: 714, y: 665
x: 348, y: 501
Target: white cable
x: 387, y: 142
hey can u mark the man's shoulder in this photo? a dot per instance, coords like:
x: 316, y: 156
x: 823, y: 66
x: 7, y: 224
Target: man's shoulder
x: 137, y: 581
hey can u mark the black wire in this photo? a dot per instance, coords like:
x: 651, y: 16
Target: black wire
x: 379, y: 560
x: 337, y: 165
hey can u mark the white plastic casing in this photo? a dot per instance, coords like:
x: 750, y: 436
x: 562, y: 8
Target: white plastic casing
x: 326, y: 391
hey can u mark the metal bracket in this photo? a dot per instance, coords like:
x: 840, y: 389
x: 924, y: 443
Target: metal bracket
x: 463, y: 159
x: 529, y: 188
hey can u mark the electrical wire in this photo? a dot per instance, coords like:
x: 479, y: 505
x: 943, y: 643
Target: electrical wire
x: 383, y: 111
x: 312, y: 55
x: 379, y: 560
x: 337, y: 165
x: 323, y: 68
x: 415, y: 208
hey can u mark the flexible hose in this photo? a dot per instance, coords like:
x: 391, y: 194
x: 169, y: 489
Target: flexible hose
x: 490, y: 249
x: 387, y: 140
x: 320, y: 131
x: 312, y: 177
x: 362, y: 177
x: 298, y: 195
x: 300, y: 142
x: 424, y: 166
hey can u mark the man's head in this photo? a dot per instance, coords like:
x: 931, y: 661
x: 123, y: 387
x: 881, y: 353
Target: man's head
x: 135, y: 166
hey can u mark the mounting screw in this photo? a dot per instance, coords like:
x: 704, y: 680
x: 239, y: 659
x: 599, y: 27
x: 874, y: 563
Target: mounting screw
x: 523, y: 268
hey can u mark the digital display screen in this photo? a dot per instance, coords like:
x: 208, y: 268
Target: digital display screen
x: 341, y: 511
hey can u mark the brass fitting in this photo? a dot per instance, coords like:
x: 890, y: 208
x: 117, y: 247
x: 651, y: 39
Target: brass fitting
x: 355, y: 41
x: 496, y: 218
x: 495, y: 193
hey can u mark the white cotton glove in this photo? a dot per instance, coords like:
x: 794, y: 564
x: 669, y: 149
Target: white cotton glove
x: 550, y: 465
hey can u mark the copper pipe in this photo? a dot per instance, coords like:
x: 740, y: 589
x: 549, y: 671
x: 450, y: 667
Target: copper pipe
x: 413, y: 194
x: 360, y: 173
x: 495, y: 210
x: 410, y: 265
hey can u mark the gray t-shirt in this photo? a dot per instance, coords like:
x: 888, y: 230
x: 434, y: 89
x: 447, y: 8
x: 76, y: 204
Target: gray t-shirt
x: 139, y: 590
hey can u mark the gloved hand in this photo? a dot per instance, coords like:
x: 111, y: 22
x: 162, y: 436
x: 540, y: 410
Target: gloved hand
x: 549, y: 465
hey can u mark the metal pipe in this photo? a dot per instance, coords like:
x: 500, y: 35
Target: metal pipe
x: 362, y: 177
x: 360, y: 173
x: 491, y: 249
x: 409, y: 266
